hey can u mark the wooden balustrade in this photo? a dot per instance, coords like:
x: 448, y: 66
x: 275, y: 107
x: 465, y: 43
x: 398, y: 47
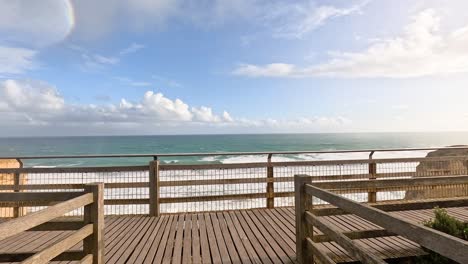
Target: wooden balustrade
x: 308, y: 217
x: 358, y: 181
x: 90, y: 230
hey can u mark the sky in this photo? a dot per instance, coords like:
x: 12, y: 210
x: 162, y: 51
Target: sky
x: 116, y: 67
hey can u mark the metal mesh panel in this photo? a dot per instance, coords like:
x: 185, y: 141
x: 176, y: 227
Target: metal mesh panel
x: 128, y: 195
x: 320, y: 173
x: 183, y: 194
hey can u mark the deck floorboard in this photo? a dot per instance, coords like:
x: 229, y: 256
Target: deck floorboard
x: 245, y: 236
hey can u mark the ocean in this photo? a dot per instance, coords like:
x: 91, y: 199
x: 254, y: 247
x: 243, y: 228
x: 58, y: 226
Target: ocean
x: 41, y: 146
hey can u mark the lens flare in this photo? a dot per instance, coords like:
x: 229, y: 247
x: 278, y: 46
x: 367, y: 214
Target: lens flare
x: 69, y: 16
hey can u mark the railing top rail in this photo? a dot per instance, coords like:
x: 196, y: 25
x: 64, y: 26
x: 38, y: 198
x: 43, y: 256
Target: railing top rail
x: 169, y: 167
x: 151, y: 155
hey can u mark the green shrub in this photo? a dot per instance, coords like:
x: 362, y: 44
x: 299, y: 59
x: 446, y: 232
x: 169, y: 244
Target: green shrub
x: 445, y: 223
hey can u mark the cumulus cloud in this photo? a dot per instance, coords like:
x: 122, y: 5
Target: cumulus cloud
x: 30, y: 96
x: 16, y: 60
x: 422, y: 50
x: 37, y: 103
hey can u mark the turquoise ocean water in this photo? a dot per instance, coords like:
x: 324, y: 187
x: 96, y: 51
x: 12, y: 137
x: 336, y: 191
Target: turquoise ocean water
x: 217, y: 143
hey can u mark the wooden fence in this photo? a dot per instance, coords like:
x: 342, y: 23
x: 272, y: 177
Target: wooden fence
x: 90, y: 229
x: 153, y: 188
x: 308, y: 218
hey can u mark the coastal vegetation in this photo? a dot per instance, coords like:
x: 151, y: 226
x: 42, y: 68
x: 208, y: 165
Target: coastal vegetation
x: 448, y: 224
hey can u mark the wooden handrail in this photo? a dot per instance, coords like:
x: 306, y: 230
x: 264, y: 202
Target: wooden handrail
x: 152, y: 155
x: 21, y: 224
x: 346, y: 182
x: 446, y: 245
x: 90, y: 230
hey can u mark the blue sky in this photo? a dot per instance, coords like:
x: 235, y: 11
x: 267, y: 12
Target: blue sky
x: 179, y: 66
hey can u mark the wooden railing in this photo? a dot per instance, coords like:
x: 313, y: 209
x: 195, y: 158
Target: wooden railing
x: 308, y: 217
x: 89, y: 230
x: 147, y: 186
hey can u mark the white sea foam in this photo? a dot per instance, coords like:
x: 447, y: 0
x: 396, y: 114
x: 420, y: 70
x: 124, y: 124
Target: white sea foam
x: 171, y: 161
x: 210, y: 159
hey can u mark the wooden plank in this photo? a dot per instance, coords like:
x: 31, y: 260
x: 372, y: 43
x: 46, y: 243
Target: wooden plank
x: 157, y: 249
x: 393, y: 184
x: 211, y: 166
x: 26, y: 222
x: 149, y: 241
x: 242, y: 225
x: 57, y: 248
x: 196, y: 257
x: 204, y: 244
x: 38, y: 196
x: 317, y: 253
x: 432, y: 239
x: 125, y: 246
x: 262, y: 241
x: 127, y: 229
x: 178, y: 242
x: 215, y: 254
x: 285, y: 254
x: 21, y: 256
x: 131, y: 243
x: 400, y: 206
x: 355, y: 235
x: 236, y: 239
x: 58, y: 225
x: 282, y: 224
x: 187, y: 240
x: 220, y: 240
x: 59, y: 170
x: 88, y: 259
x: 170, y: 241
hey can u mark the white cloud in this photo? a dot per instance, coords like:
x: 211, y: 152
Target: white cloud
x: 280, y: 18
x: 134, y: 47
x: 205, y: 114
x: 270, y: 70
x: 294, y: 20
x: 227, y: 117
x: 422, y: 50
x: 30, y: 103
x: 16, y: 60
x: 35, y: 23
x: 164, y: 108
x: 30, y: 96
x: 131, y: 82
x: 96, y: 62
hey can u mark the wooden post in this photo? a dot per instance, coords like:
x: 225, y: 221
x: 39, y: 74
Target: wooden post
x: 17, y: 181
x: 303, y: 202
x: 94, y: 214
x: 270, y: 188
x: 154, y: 188
x: 372, y: 195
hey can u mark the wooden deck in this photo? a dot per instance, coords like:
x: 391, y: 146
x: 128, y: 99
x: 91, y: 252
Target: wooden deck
x: 247, y: 236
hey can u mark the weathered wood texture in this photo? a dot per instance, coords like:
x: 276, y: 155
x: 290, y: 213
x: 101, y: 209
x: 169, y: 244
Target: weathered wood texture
x: 449, y: 246
x: 362, y: 181
x: 14, y: 179
x: 90, y: 230
x: 247, y: 236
